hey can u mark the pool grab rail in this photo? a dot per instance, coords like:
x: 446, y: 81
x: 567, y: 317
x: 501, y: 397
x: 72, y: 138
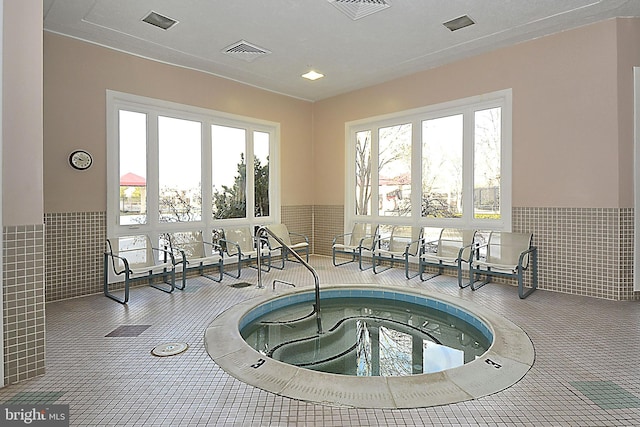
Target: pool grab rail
x: 264, y: 230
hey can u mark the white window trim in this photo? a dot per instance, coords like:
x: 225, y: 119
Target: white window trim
x: 502, y: 98
x: 154, y: 107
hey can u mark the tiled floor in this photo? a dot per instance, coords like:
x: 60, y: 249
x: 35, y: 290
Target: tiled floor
x: 587, y: 369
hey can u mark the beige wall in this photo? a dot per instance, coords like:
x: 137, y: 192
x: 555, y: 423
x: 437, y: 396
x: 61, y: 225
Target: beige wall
x: 76, y: 77
x: 22, y: 169
x: 628, y: 57
x: 572, y: 117
x: 567, y: 97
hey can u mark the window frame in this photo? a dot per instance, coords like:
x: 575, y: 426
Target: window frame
x: 467, y: 107
x: 154, y: 108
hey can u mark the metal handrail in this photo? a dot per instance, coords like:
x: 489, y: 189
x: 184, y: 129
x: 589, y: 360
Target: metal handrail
x: 263, y: 229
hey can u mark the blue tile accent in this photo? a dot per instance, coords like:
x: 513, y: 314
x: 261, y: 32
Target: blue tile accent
x: 428, y: 303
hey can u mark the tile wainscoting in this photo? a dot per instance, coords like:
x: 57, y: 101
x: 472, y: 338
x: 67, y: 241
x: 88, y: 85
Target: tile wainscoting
x: 582, y: 251
x: 75, y: 244
x: 24, y: 302
x: 586, y: 251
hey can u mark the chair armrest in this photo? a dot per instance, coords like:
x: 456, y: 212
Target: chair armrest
x: 476, y: 250
x: 262, y: 240
x: 306, y: 239
x: 424, y: 244
x: 532, y: 249
x: 166, y: 252
x: 229, y: 242
x: 113, y: 263
x: 368, y: 236
x: 335, y: 239
x: 406, y: 249
x: 214, y: 247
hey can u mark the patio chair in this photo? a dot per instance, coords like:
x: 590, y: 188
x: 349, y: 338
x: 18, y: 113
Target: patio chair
x: 282, y: 232
x: 191, y: 252
x: 240, y: 243
x: 355, y: 244
x: 135, y: 257
x: 507, y: 255
x: 450, y: 250
x: 401, y: 245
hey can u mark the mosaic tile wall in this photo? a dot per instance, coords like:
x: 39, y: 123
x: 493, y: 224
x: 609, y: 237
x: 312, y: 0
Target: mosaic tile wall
x: 581, y: 251
x: 299, y: 219
x: 328, y: 223
x: 74, y: 248
x: 24, y: 302
x: 586, y: 251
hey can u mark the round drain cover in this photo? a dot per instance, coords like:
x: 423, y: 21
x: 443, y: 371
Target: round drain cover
x: 169, y: 349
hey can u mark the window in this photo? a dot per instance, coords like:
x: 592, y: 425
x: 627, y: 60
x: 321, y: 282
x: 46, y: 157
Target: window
x: 173, y: 167
x: 443, y: 165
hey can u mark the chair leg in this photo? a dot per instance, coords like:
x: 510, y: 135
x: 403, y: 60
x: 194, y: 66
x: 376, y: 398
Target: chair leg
x: 108, y: 293
x: 375, y: 264
x: 235, y: 276
x: 353, y: 258
x: 283, y: 256
x: 360, y: 261
x: 460, y: 285
x: 220, y: 268
x: 534, y: 279
x: 421, y: 271
x: 164, y: 281
x: 184, y: 276
x: 406, y: 268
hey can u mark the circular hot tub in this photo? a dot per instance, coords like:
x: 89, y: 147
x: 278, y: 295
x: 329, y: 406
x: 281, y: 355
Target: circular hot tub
x: 494, y: 353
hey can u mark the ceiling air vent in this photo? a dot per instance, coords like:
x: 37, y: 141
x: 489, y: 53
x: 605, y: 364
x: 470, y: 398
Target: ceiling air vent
x: 356, y: 9
x: 245, y: 51
x: 159, y: 21
x: 458, y: 23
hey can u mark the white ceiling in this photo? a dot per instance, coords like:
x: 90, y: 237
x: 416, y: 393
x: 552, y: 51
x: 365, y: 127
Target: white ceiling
x: 404, y: 38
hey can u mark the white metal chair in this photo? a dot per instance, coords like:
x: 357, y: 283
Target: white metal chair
x: 135, y: 257
x: 283, y: 233
x: 191, y: 252
x: 402, y: 244
x: 508, y: 255
x: 355, y: 244
x: 240, y: 243
x: 450, y: 250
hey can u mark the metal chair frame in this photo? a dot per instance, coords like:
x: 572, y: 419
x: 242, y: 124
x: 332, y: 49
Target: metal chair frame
x: 133, y: 269
x: 282, y: 232
x: 245, y: 249
x: 397, y: 247
x: 192, y: 255
x: 359, y: 241
x: 500, y: 260
x: 452, y: 249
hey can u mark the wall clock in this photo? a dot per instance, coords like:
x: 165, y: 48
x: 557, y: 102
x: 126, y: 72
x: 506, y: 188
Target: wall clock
x: 80, y: 159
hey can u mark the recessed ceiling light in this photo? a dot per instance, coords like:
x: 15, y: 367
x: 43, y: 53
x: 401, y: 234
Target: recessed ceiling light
x: 159, y: 21
x: 312, y: 75
x: 458, y: 23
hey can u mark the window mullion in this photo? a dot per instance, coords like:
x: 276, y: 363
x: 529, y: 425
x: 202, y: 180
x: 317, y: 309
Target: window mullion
x: 375, y: 176
x: 467, y: 168
x: 153, y: 171
x: 250, y: 175
x: 206, y: 184
x: 416, y: 172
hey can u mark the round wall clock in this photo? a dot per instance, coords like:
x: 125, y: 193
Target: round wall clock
x: 80, y: 159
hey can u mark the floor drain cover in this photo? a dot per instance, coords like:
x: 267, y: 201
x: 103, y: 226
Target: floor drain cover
x: 169, y: 349
x: 241, y: 285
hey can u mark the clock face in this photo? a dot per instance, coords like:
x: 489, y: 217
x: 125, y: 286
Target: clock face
x: 80, y: 160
